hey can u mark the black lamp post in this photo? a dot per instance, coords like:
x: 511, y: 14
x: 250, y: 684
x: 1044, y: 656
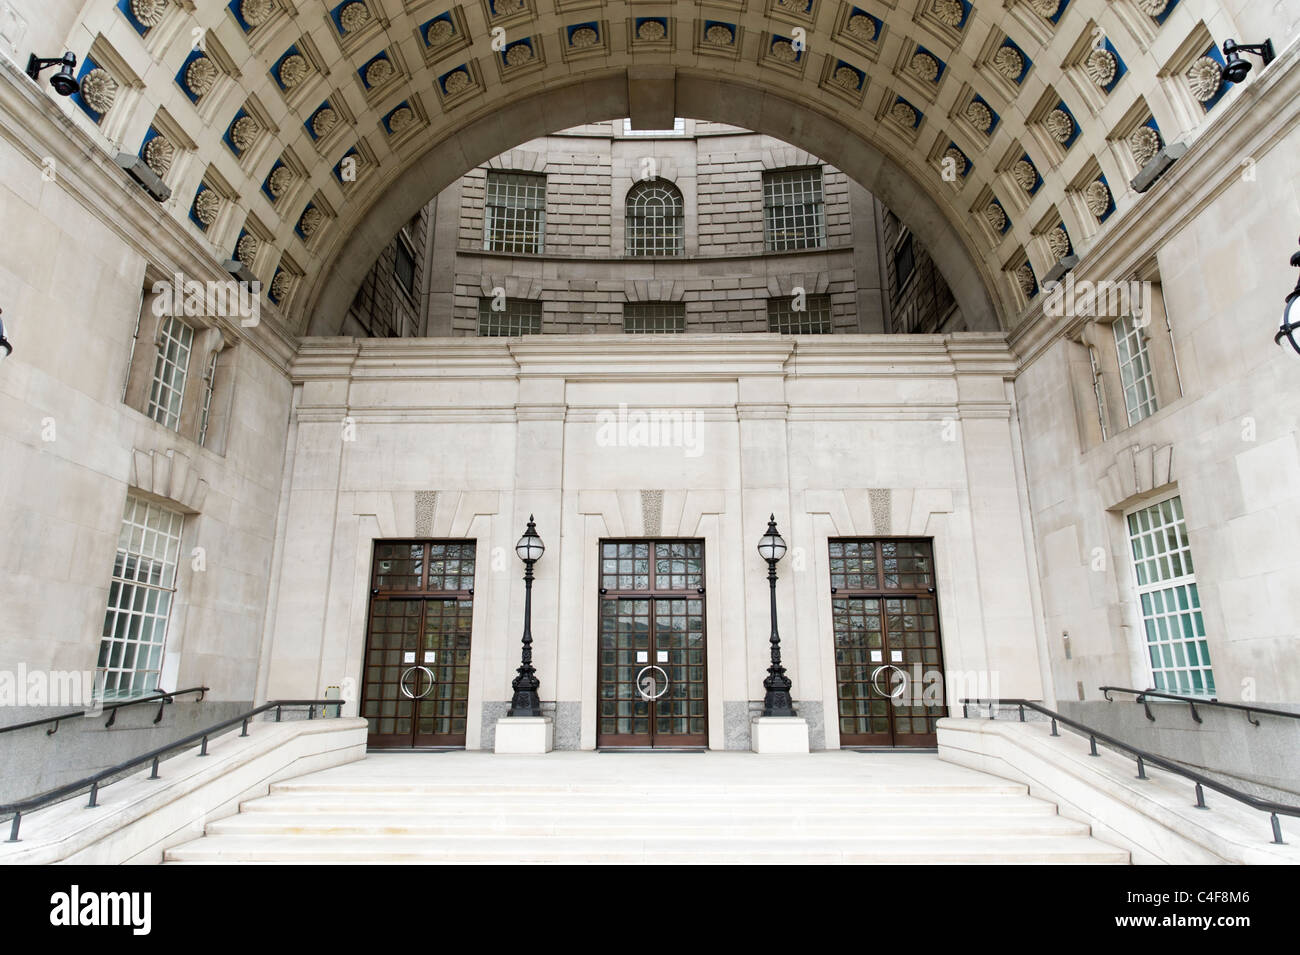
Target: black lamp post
x: 776, y: 701
x: 525, y: 702
x: 5, y: 348
x: 1291, y: 317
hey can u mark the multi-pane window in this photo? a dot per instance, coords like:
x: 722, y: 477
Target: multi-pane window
x: 655, y: 220
x: 628, y: 565
x: 650, y: 317
x: 1171, y: 605
x: 519, y: 317
x: 139, y: 599
x: 404, y: 266
x: 813, y: 319
x: 794, y: 215
x: 904, y: 262
x: 515, y: 212
x: 209, y: 385
x: 175, y: 339
x: 1134, y: 370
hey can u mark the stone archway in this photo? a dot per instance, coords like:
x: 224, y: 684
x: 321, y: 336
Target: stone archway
x: 696, y: 96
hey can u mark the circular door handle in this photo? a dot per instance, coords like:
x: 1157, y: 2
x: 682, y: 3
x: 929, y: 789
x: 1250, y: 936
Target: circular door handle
x: 407, y: 693
x: 902, y: 684
x: 642, y: 681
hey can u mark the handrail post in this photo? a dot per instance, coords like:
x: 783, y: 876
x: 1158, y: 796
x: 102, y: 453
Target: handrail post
x: 1248, y: 719
x: 277, y: 713
x: 1146, y: 706
x: 203, y: 750
x: 311, y: 712
x: 154, y: 774
x: 13, y: 829
x: 112, y: 717
x: 1200, y: 797
x: 158, y: 718
x: 1092, y: 743
x: 1022, y: 712
x: 1142, y: 770
x: 55, y: 728
x: 1196, y: 716
x: 1277, y: 830
x: 1054, y: 732
x: 245, y: 730
x: 94, y: 793
x: 965, y: 710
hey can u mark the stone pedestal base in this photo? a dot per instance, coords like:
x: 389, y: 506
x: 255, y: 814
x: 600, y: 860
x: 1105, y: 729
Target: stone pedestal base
x: 778, y: 734
x: 525, y: 734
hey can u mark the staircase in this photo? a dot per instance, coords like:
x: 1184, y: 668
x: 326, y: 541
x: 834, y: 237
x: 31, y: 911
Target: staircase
x: 647, y: 808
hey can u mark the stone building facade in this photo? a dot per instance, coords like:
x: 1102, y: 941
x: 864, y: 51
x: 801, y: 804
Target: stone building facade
x: 268, y: 455
x: 728, y: 272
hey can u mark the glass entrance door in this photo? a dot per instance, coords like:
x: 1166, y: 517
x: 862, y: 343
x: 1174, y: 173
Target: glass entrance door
x: 652, y: 672
x: 415, y: 691
x: 888, y: 656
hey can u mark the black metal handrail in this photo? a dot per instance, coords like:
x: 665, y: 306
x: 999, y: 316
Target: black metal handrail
x: 1143, y: 757
x: 111, y: 710
x: 1194, y: 702
x: 93, y: 782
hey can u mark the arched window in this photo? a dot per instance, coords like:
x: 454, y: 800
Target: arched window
x: 655, y: 221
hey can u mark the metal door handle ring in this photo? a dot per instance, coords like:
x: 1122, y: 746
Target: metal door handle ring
x: 407, y: 693
x: 902, y: 684
x: 640, y: 688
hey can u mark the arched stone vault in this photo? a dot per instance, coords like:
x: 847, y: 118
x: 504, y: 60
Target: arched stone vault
x: 882, y: 89
x: 602, y: 98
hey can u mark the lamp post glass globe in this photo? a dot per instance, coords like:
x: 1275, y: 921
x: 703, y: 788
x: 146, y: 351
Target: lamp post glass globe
x: 771, y: 547
x: 530, y: 547
x: 1290, y: 329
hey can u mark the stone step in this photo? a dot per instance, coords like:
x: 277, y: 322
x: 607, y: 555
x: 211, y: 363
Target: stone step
x: 683, y: 823
x: 619, y: 802
x: 686, y: 788
x: 707, y: 849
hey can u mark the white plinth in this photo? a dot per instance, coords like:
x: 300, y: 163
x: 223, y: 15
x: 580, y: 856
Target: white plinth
x: 525, y: 734
x: 778, y: 734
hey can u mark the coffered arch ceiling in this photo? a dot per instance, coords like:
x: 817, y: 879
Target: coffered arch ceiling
x: 1004, y: 132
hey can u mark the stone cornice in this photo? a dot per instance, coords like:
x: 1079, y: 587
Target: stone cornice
x: 1266, y: 110
x: 31, y: 122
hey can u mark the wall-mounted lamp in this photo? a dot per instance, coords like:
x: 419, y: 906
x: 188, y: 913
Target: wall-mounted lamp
x: 1236, y: 68
x: 1291, y: 317
x: 64, y: 83
x: 5, y: 348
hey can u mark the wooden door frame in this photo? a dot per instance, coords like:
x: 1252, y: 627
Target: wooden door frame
x: 909, y: 740
x: 425, y: 596
x: 653, y: 594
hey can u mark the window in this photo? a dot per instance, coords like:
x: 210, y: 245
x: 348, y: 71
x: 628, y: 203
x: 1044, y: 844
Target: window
x: 404, y: 266
x: 209, y: 384
x: 814, y: 319
x: 904, y: 262
x: 175, y: 339
x: 655, y: 222
x: 519, y: 317
x: 793, y: 212
x: 139, y: 599
x: 649, y: 317
x: 679, y: 129
x: 515, y: 212
x: 1170, y: 603
x: 1134, y: 370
